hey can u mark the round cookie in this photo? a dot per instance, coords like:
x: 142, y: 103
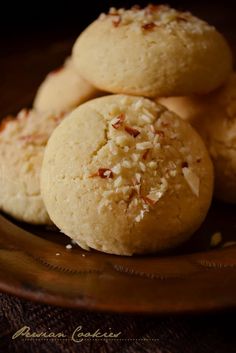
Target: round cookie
x: 214, y: 117
x: 190, y: 108
x: 154, y: 52
x: 22, y: 144
x: 219, y: 133
x: 125, y: 176
x: 63, y: 89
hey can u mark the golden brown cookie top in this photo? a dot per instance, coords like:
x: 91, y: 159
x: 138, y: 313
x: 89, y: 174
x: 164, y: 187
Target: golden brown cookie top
x: 155, y: 16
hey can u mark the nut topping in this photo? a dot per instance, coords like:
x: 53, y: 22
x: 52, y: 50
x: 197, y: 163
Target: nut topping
x: 130, y: 130
x: 145, y: 155
x: 103, y: 173
x: 4, y: 122
x: 144, y: 145
x: 149, y: 26
x: 118, y: 121
x: 192, y: 180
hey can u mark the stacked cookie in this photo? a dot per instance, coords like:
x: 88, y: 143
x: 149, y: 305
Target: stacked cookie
x: 121, y: 173
x: 214, y: 117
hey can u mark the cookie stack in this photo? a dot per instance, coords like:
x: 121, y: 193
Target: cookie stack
x: 122, y: 173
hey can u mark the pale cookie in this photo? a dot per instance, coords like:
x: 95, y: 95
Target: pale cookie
x: 190, y: 108
x: 63, y: 89
x: 125, y: 176
x: 214, y: 116
x: 155, y: 52
x: 22, y: 144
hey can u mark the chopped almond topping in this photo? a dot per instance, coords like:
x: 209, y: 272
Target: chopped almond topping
x: 148, y: 201
x: 156, y: 193
x: 173, y: 173
x: 137, y: 188
x: 144, y: 145
x: 118, y: 182
x: 146, y: 118
x: 133, y: 132
x: 137, y: 179
x: 192, y: 180
x: 122, y: 140
x: 113, y: 11
x: 118, y: 121
x: 4, y: 122
x: 152, y: 128
x: 184, y: 165
x: 126, y: 164
x: 181, y: 18
x: 150, y: 8
x: 117, y: 168
x: 149, y: 26
x: 24, y: 113
x: 135, y: 157
x: 160, y: 133
x: 145, y: 155
x: 152, y: 165
x: 142, y: 166
x: 131, y: 195
x: 104, y: 173
x: 140, y: 216
x: 116, y: 21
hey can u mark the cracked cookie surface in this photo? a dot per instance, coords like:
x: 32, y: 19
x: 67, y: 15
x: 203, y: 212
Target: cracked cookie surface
x: 123, y: 175
x: 22, y: 143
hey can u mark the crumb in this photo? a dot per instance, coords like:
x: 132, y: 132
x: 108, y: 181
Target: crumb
x: 68, y: 246
x: 58, y: 254
x: 216, y: 239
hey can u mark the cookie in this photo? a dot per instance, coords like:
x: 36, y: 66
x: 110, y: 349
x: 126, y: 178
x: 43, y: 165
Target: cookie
x: 154, y: 52
x: 190, y: 108
x: 22, y: 144
x: 123, y: 175
x: 219, y: 133
x: 215, y: 119
x: 63, y: 89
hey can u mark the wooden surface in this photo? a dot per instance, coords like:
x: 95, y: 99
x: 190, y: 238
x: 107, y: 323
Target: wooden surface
x: 181, y: 282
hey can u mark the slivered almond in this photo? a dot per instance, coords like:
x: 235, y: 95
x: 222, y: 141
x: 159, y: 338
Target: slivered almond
x: 118, y: 121
x: 160, y: 133
x: 145, y: 155
x: 192, y: 179
x: 116, y: 21
x: 144, y: 145
x: 149, y: 26
x: 132, y: 131
x: 104, y: 173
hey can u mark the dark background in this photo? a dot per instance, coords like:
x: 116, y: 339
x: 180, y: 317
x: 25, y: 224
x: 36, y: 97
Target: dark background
x: 36, y: 37
x: 23, y: 20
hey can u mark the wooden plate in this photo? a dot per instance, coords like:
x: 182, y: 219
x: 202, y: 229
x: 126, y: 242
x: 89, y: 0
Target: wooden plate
x: 193, y: 278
